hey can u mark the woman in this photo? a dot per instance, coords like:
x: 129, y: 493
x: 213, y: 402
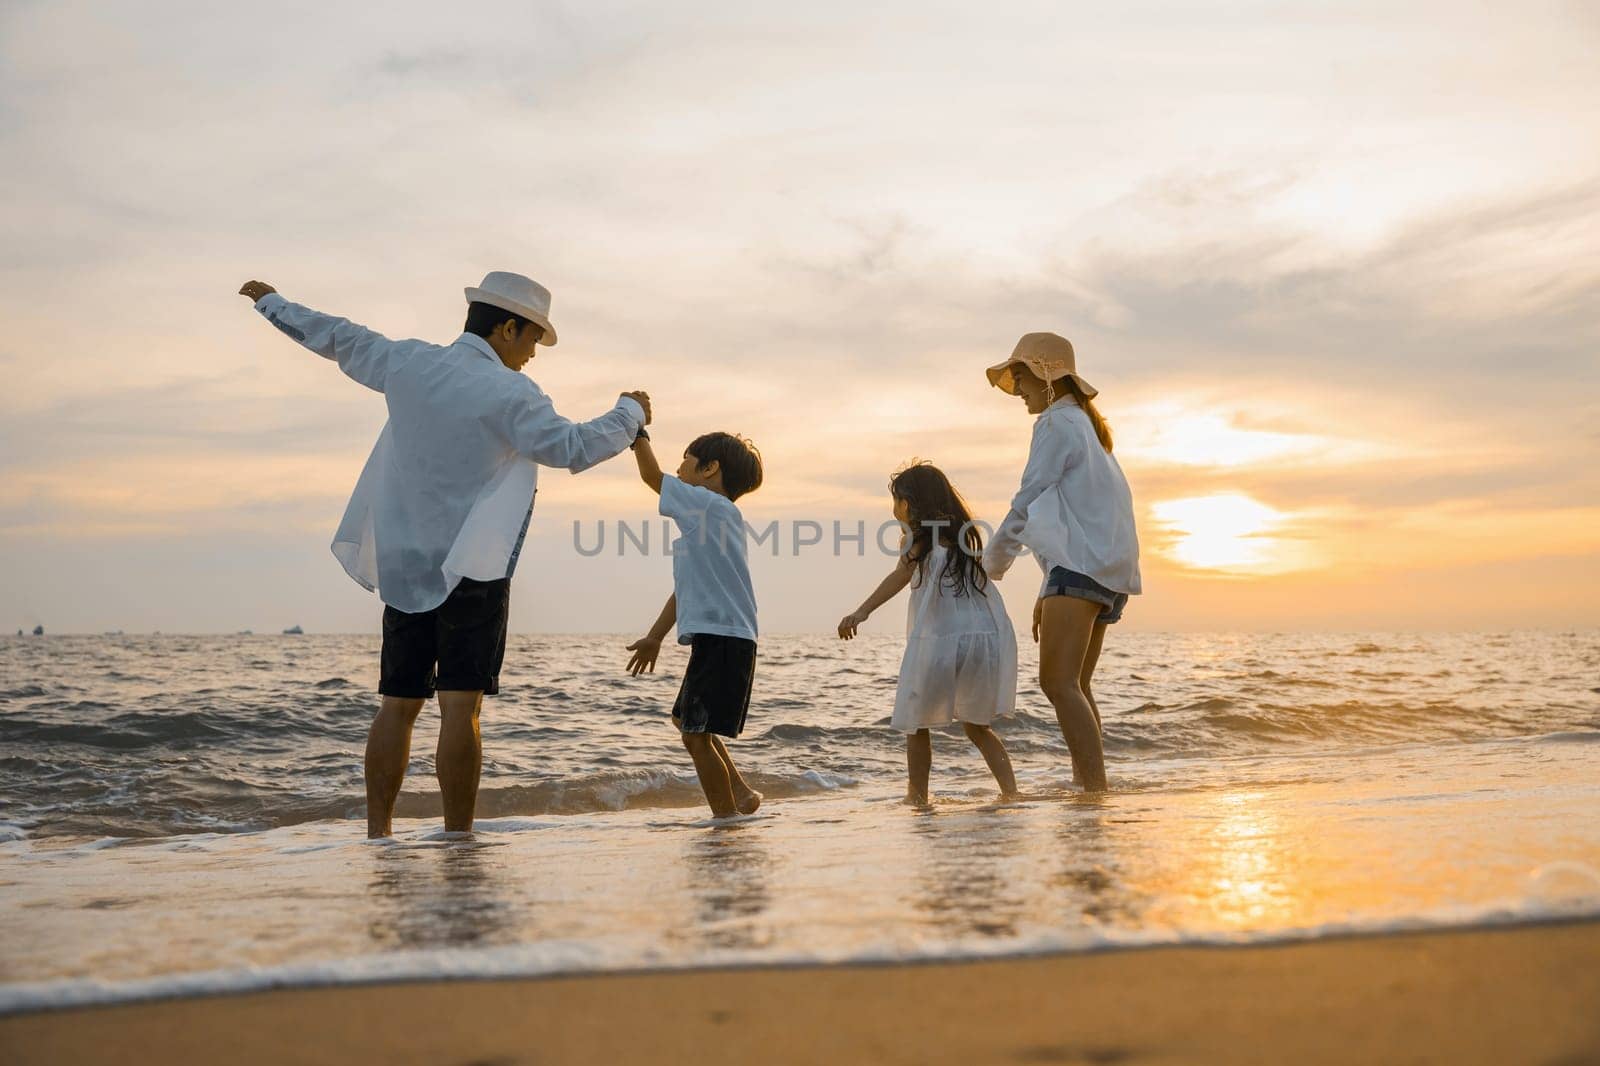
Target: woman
x: 1075, y: 512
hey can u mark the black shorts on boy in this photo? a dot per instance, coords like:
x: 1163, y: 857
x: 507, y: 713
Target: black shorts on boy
x: 458, y: 646
x: 715, y: 694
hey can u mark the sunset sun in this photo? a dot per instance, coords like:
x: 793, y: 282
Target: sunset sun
x: 1228, y: 532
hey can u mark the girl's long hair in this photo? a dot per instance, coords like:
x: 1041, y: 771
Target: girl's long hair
x: 1101, y: 429
x: 931, y: 499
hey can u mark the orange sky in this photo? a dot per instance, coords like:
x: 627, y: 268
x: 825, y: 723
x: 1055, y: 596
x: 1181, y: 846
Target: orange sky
x: 1334, y: 270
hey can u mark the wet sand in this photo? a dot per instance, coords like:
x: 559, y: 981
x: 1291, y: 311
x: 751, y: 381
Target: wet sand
x: 1529, y: 994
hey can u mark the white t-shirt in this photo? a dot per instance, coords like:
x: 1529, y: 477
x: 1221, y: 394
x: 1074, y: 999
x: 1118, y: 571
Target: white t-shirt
x: 710, y: 565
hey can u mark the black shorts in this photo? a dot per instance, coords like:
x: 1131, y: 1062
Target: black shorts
x: 457, y: 646
x: 715, y: 694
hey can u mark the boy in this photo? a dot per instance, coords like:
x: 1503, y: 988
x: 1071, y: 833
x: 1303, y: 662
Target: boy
x: 712, y: 603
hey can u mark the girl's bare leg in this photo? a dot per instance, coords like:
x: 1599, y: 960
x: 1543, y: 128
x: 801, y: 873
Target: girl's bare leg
x: 919, y: 759
x: 994, y: 753
x: 1066, y: 627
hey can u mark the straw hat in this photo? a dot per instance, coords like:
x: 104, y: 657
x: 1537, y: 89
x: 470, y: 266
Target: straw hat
x: 1048, y: 355
x: 519, y: 295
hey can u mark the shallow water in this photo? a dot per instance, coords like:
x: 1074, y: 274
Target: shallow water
x: 180, y: 810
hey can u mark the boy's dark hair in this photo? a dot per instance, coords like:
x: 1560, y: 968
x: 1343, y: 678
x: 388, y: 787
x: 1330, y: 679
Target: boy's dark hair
x: 483, y: 319
x: 741, y: 463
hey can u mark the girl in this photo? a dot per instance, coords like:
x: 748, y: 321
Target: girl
x: 960, y: 662
x: 1075, y: 512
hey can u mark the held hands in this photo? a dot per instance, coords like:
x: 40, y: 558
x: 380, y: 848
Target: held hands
x: 645, y: 650
x: 255, y: 290
x: 849, y: 623
x: 642, y: 398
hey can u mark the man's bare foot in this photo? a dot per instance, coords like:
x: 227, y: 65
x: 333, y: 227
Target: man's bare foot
x: 749, y: 802
x: 916, y: 799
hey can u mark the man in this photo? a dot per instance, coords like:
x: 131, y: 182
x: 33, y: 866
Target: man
x: 441, y: 509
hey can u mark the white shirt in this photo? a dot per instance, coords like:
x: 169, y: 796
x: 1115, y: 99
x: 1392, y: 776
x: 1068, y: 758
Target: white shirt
x: 1074, y: 508
x: 710, y: 564
x: 448, y: 490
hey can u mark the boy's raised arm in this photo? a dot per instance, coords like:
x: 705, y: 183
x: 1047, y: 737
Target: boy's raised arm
x: 648, y: 647
x: 360, y: 352
x: 649, y: 469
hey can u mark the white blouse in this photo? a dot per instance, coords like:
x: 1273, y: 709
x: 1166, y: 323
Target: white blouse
x: 1074, y: 508
x: 448, y: 490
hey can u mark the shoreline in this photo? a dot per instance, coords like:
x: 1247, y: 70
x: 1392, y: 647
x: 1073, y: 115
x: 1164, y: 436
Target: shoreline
x: 1511, y: 993
x: 392, y: 969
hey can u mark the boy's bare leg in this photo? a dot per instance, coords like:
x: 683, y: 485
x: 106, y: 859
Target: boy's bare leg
x: 919, y: 760
x: 459, y: 758
x: 994, y: 753
x: 747, y: 799
x: 715, y: 780
x: 388, y: 752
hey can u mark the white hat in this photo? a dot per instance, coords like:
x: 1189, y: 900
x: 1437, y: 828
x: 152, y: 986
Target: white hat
x: 519, y: 295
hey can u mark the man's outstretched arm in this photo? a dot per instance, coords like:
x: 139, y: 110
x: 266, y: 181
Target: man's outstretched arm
x: 360, y: 353
x: 530, y: 422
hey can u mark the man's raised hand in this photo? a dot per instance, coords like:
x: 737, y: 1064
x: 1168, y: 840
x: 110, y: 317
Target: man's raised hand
x: 255, y: 290
x: 642, y: 398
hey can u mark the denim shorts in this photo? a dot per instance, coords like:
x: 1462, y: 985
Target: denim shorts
x: 1064, y: 582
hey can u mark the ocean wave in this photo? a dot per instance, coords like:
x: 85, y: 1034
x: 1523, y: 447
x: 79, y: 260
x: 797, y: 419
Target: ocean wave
x: 556, y: 957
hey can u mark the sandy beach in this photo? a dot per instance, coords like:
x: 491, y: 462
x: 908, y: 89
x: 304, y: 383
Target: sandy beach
x: 1504, y: 996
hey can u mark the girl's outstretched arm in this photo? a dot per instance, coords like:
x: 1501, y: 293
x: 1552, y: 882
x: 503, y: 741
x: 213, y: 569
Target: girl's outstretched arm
x: 887, y: 590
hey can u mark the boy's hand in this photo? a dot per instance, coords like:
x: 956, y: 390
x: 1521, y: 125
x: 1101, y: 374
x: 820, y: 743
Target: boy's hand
x: 1038, y: 617
x: 642, y: 398
x: 645, y: 650
x: 848, y: 624
x: 255, y: 290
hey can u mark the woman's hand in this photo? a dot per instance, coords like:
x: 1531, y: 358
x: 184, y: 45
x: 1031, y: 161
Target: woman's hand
x: 849, y: 623
x: 645, y: 650
x: 1038, y: 616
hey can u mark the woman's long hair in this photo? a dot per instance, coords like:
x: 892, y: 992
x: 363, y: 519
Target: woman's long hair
x: 931, y: 499
x: 1101, y: 429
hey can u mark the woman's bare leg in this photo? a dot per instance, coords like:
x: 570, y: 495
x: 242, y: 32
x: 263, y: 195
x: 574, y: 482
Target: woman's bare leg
x: 994, y: 753
x: 1091, y: 658
x: 1066, y: 627
x: 919, y: 759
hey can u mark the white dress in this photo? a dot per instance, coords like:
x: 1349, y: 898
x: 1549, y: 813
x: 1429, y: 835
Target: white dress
x: 960, y: 662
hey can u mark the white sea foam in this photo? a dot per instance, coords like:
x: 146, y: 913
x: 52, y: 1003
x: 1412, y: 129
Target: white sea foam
x: 556, y: 958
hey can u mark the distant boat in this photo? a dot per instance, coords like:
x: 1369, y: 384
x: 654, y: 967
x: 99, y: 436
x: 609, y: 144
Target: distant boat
x: 248, y: 633
x: 38, y: 631
x: 293, y: 631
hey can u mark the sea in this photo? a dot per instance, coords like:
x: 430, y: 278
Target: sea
x: 184, y: 814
